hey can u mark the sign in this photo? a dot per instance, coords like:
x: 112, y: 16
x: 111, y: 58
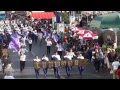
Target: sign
x: 2, y: 15
x: 2, y: 12
x: 60, y: 27
x: 72, y: 21
x: 53, y: 21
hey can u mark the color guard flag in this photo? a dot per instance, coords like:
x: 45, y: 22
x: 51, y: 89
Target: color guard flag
x: 15, y: 42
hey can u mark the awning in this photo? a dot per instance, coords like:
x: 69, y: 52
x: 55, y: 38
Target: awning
x: 42, y: 15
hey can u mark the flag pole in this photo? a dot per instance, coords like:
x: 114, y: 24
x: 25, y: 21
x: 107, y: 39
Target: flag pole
x: 115, y: 38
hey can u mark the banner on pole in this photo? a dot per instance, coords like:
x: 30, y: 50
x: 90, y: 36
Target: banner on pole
x: 72, y: 19
x: 53, y: 21
x: 60, y: 27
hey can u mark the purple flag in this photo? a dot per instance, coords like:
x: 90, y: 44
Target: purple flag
x: 55, y: 38
x: 58, y: 15
x: 15, y: 43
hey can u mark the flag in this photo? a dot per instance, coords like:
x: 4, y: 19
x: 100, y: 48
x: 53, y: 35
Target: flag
x: 58, y: 16
x: 55, y: 38
x: 15, y: 42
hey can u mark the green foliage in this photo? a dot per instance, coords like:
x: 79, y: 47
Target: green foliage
x: 105, y: 47
x: 65, y: 17
x: 118, y: 49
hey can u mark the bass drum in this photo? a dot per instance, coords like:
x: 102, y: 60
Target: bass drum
x: 50, y: 64
x: 56, y: 63
x: 36, y: 65
x: 44, y: 64
x: 76, y: 62
x: 84, y: 62
x: 69, y: 62
x: 63, y: 63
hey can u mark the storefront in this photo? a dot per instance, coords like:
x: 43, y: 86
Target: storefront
x: 2, y: 15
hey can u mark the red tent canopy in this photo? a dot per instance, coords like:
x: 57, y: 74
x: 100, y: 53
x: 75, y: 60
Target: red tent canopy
x: 42, y: 15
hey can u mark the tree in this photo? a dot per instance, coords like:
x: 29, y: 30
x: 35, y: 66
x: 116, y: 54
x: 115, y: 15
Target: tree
x: 65, y: 17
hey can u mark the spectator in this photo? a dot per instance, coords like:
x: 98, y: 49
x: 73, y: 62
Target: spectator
x: 9, y: 70
x: 118, y: 72
x: 115, y: 66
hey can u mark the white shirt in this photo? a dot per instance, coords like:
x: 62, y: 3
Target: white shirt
x: 68, y: 56
x: 9, y: 77
x: 49, y: 43
x: 23, y: 58
x: 22, y: 50
x: 40, y: 36
x: 80, y: 57
x: 115, y: 65
x: 29, y: 41
x: 72, y: 54
x: 35, y: 32
x: 23, y: 40
x: 37, y: 60
x: 45, y: 58
x: 57, y: 56
x: 59, y: 47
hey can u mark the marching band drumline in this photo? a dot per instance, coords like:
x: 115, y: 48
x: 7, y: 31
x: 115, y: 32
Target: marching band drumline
x: 61, y: 63
x: 57, y: 63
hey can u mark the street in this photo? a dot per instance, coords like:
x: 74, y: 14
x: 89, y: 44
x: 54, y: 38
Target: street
x: 40, y: 50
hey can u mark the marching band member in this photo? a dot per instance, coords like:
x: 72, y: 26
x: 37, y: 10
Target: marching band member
x: 80, y: 68
x: 22, y: 50
x: 45, y: 58
x: 49, y: 44
x: 23, y: 40
x: 56, y: 57
x: 22, y: 61
x: 60, y: 49
x: 30, y: 44
x: 68, y: 68
x: 37, y: 69
x: 72, y: 54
